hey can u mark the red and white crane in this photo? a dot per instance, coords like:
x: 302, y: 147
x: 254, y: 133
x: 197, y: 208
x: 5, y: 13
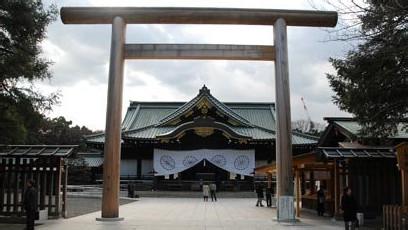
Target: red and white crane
x: 309, y: 126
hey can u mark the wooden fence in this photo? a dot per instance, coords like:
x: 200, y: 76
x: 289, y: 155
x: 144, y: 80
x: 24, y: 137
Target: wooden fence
x: 49, y: 175
x: 395, y: 217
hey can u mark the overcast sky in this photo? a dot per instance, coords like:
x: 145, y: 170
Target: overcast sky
x: 81, y: 53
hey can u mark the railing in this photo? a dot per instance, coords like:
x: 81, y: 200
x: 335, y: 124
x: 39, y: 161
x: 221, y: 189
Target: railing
x: 395, y: 217
x: 49, y: 175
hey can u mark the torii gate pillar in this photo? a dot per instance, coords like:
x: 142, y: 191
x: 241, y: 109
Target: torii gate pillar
x: 112, y: 153
x: 284, y: 175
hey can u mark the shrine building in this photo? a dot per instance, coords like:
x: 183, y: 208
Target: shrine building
x: 177, y: 145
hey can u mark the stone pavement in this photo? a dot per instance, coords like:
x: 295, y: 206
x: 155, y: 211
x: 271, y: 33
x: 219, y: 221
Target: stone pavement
x: 190, y: 213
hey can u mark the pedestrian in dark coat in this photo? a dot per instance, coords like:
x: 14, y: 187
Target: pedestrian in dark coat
x: 30, y: 204
x: 321, y: 199
x: 268, y: 195
x: 213, y: 191
x: 349, y: 207
x: 259, y: 194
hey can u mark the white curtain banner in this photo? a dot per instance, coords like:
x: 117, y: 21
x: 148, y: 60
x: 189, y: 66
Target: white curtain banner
x: 166, y: 162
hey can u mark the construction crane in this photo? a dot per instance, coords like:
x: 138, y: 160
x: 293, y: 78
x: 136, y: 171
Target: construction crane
x: 309, y: 126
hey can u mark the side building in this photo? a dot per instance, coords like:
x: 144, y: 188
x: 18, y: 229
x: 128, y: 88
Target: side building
x: 368, y: 165
x: 178, y: 145
x: 346, y: 159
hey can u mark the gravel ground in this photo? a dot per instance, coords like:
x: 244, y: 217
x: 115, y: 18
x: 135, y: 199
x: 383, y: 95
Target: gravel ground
x: 76, y: 206
x: 81, y: 206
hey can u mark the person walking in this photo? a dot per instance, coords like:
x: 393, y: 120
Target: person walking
x: 30, y: 205
x: 321, y: 199
x: 268, y: 195
x: 349, y: 207
x: 259, y: 194
x: 213, y: 190
x: 206, y: 191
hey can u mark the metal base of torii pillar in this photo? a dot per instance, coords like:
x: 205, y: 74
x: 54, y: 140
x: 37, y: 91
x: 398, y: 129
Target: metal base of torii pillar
x: 120, y: 16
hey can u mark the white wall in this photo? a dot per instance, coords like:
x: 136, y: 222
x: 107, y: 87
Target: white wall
x: 128, y: 167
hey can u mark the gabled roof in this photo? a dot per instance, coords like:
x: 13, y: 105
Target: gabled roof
x: 204, y: 96
x: 36, y: 151
x: 351, y: 128
x: 92, y: 159
x: 150, y: 120
x: 256, y: 134
x: 144, y: 114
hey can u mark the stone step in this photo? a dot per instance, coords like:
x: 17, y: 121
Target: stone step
x: 191, y: 194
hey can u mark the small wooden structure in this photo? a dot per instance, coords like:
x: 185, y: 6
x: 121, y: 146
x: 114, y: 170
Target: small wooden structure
x: 44, y: 164
x: 365, y: 170
x: 395, y: 217
x: 306, y: 169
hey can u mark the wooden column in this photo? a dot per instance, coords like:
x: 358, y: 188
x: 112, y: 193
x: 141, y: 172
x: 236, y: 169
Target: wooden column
x: 285, y: 209
x: 58, y: 187
x: 15, y: 189
x: 43, y: 186
x: 2, y: 183
x: 336, y: 189
x: 402, y: 158
x: 298, y: 192
x: 50, y: 185
x: 9, y: 173
x: 64, y: 191
x: 404, y: 187
x: 332, y: 190
x: 111, y: 165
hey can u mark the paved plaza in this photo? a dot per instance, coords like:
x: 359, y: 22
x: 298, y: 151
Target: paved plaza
x: 191, y: 213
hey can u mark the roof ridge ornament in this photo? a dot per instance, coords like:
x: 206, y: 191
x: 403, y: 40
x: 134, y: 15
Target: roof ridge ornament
x: 203, y: 102
x: 205, y: 90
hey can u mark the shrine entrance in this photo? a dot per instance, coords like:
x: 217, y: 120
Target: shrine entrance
x: 205, y: 171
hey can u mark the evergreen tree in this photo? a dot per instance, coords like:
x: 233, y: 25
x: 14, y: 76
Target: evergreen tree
x: 22, y: 28
x: 59, y: 131
x: 371, y: 82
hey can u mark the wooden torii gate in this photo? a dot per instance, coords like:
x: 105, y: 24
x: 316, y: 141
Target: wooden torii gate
x: 120, y: 16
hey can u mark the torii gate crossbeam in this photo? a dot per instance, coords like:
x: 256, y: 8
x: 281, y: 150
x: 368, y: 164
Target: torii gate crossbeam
x: 120, y: 16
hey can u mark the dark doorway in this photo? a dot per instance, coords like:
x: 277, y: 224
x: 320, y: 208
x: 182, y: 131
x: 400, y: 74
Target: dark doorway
x: 205, y: 171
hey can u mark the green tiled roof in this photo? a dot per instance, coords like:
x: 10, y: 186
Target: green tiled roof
x: 36, y: 151
x: 353, y: 127
x: 145, y: 120
x: 146, y: 114
x: 333, y: 152
x: 96, y: 138
x: 205, y: 94
x: 92, y: 159
x: 149, y: 133
x: 143, y: 114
